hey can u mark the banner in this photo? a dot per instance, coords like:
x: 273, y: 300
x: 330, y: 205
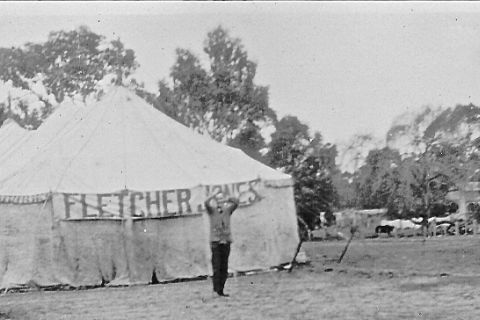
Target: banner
x: 150, y: 204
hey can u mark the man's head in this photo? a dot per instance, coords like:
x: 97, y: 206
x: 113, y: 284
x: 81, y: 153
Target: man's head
x: 217, y: 201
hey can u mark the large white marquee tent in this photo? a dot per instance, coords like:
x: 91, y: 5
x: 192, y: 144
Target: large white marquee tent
x: 113, y: 192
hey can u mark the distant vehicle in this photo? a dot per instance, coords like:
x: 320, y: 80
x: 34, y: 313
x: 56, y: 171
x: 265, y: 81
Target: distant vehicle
x: 384, y: 229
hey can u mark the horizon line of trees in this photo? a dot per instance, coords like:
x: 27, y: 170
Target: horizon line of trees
x: 221, y: 99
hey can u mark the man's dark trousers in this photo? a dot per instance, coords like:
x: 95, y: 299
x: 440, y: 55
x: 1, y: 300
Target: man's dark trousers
x: 220, y: 253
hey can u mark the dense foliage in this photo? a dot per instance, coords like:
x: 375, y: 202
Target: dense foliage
x: 69, y: 63
x: 417, y: 184
x: 310, y: 162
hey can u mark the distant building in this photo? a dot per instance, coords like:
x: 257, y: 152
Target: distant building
x: 466, y: 198
x: 358, y: 217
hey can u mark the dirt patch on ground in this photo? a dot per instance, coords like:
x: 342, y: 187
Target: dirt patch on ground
x: 384, y: 279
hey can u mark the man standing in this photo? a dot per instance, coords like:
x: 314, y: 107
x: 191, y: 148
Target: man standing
x: 219, y: 212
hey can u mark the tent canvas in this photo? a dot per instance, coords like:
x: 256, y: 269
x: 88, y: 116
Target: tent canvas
x: 19, y: 152
x: 11, y: 136
x: 116, y: 195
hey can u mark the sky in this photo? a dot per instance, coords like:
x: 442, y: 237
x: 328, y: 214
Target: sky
x: 341, y: 67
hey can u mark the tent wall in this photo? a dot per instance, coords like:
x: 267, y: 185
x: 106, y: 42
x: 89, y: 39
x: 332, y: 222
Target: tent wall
x: 25, y: 245
x: 265, y: 234
x: 38, y: 248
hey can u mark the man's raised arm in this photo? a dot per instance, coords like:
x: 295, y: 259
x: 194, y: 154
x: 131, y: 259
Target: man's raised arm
x: 233, y: 203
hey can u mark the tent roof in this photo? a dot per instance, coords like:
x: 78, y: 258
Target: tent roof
x: 121, y: 142
x: 11, y: 136
x: 24, y: 151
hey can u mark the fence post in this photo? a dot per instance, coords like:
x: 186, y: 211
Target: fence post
x: 434, y: 226
x: 457, y: 228
x: 475, y: 227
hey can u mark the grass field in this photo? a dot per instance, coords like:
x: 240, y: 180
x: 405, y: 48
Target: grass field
x: 378, y: 279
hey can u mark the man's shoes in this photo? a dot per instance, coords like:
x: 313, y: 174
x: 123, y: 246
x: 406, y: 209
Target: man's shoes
x: 222, y: 294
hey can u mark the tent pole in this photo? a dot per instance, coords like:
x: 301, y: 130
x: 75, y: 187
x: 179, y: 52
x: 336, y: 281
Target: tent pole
x: 50, y: 197
x: 292, y: 263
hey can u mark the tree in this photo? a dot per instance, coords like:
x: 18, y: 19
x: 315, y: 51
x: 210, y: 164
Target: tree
x: 315, y: 189
x: 222, y: 99
x: 3, y: 115
x: 235, y: 96
x: 69, y: 63
x: 250, y: 140
x: 442, y: 166
x: 310, y: 162
x: 344, y: 185
x: 189, y: 101
x: 288, y: 142
x: 438, y: 154
x: 417, y: 184
x: 378, y: 182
